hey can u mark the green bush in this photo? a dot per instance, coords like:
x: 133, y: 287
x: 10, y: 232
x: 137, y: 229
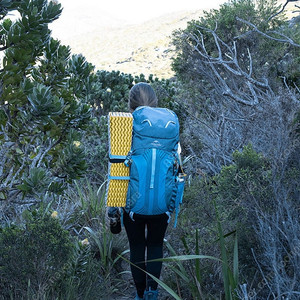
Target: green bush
x: 82, y: 278
x: 96, y: 269
x: 238, y: 190
x: 43, y: 101
x: 246, y: 181
x: 33, y: 257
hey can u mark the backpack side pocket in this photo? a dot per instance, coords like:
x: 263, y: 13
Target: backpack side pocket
x: 137, y: 189
x: 180, y: 182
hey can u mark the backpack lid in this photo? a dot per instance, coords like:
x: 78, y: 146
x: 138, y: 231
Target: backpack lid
x: 155, y: 127
x: 155, y: 122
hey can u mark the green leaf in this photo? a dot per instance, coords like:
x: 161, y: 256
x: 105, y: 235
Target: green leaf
x: 161, y: 283
x: 19, y: 151
x: 226, y: 279
x: 23, y: 187
x: 197, y: 261
x: 7, y: 24
x: 186, y: 257
x: 235, y: 262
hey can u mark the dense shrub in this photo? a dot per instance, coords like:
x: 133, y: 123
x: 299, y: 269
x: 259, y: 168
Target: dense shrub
x: 255, y: 200
x: 43, y: 104
x: 33, y: 257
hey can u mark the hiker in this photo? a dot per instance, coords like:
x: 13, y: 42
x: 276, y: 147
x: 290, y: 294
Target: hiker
x: 146, y: 231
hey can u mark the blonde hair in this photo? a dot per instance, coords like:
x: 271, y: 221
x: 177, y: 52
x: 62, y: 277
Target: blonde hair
x: 142, y: 94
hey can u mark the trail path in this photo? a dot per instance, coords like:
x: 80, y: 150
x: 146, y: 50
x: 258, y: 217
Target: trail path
x: 119, y: 297
x: 116, y: 297
x: 128, y: 295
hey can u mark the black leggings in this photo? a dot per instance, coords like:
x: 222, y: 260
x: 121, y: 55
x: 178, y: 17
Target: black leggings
x: 141, y: 240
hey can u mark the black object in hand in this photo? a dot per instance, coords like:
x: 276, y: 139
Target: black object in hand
x: 114, y: 220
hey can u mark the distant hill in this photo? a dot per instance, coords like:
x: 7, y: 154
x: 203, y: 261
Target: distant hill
x: 141, y: 48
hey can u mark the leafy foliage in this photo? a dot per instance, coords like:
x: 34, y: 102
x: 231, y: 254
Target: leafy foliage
x: 81, y: 280
x: 44, y: 104
x: 33, y: 257
x: 94, y: 269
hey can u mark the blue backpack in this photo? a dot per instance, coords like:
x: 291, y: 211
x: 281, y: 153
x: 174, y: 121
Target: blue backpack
x: 154, y: 186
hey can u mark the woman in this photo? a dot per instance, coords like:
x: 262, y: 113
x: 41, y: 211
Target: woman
x: 145, y: 232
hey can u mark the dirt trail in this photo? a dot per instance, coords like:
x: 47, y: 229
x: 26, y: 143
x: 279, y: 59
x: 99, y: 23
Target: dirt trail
x: 129, y: 295
x: 118, y: 297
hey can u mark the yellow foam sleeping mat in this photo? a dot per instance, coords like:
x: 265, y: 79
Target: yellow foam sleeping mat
x: 119, y: 140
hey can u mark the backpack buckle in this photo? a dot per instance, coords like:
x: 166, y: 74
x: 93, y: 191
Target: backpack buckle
x: 128, y: 160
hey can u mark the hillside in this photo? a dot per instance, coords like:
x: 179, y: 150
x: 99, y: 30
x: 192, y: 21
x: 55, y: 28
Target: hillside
x: 139, y: 48
x: 112, y: 44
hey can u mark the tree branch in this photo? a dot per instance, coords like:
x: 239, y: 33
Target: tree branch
x: 191, y: 115
x: 283, y: 7
x: 285, y: 40
x: 17, y: 173
x: 289, y: 89
x: 232, y: 66
x: 44, y: 153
